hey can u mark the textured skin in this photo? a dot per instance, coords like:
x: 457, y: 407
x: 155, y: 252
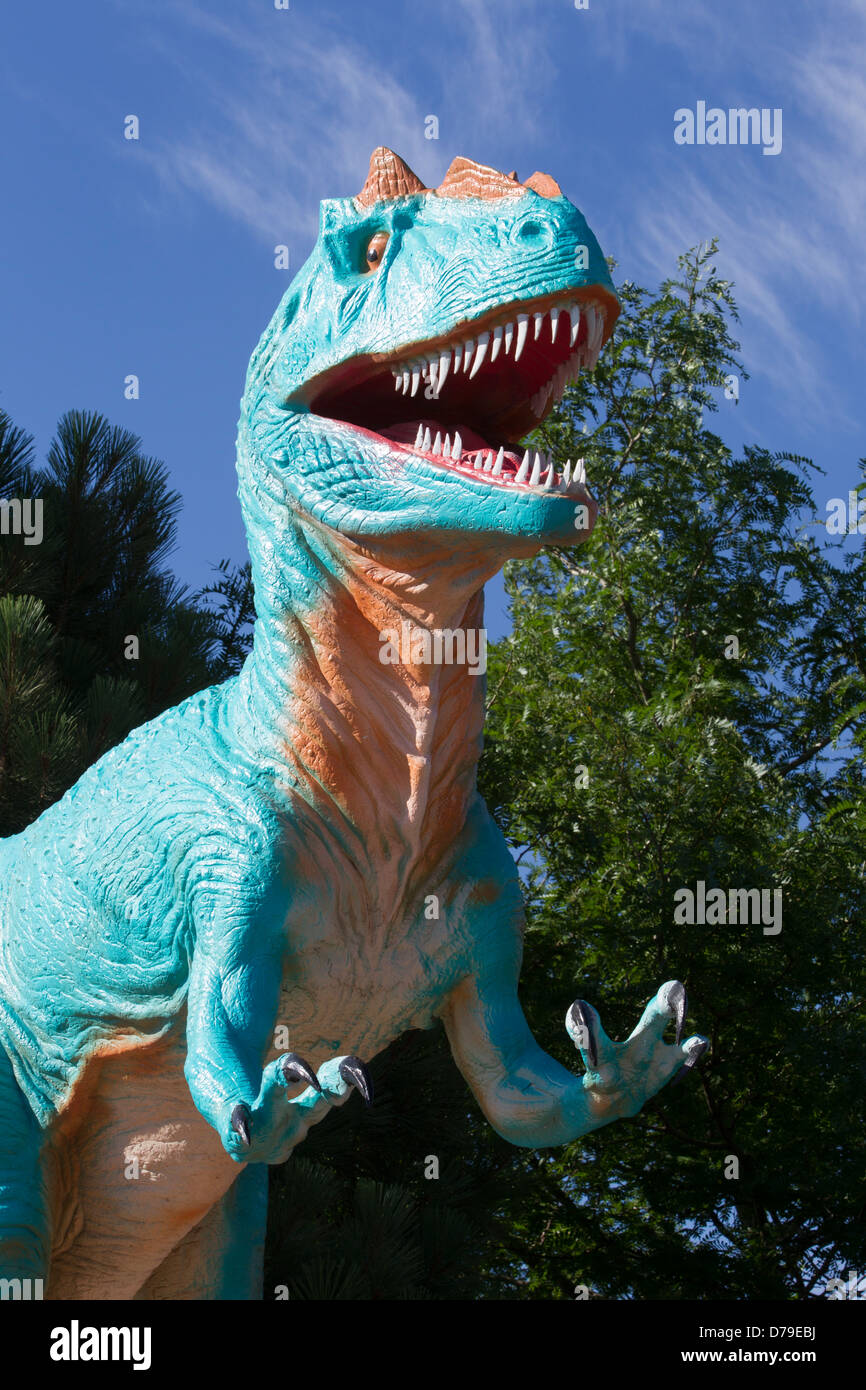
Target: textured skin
x: 264, y: 853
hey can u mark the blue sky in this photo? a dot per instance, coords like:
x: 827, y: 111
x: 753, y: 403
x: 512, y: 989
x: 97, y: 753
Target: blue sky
x: 156, y: 256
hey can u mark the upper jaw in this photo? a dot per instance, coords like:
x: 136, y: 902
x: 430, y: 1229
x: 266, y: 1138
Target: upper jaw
x: 572, y: 325
x: 499, y: 373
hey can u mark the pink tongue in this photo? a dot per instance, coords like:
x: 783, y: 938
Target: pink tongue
x: 406, y: 432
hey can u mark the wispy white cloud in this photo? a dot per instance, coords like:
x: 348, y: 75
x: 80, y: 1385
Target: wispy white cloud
x: 305, y: 108
x: 294, y: 122
x: 790, y: 226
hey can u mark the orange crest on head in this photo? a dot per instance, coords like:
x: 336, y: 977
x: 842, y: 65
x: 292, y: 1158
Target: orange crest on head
x: 466, y: 179
x: 390, y: 177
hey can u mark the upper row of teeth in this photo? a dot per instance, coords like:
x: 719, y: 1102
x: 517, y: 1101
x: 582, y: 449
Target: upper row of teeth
x: 470, y: 355
x: 535, y: 467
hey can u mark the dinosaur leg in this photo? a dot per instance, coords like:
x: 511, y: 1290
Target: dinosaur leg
x: 221, y: 1257
x: 25, y: 1240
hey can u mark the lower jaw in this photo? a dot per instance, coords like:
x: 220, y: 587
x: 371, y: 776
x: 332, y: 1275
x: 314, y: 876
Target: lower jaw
x: 460, y: 450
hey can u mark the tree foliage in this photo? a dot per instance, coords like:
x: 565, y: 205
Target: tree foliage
x: 72, y: 683
x: 634, y: 749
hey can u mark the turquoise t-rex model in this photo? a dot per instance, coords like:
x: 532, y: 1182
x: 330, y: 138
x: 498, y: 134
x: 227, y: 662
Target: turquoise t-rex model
x: 202, y: 939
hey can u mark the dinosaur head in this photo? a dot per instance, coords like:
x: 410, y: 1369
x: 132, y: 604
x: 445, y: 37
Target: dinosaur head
x: 428, y: 332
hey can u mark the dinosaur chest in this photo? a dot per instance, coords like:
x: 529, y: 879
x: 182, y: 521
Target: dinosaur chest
x: 349, y: 988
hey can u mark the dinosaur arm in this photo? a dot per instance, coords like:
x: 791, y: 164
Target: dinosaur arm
x: 525, y: 1094
x: 233, y: 1001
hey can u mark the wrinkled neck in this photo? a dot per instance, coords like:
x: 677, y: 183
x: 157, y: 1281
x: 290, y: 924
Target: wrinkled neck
x: 365, y: 686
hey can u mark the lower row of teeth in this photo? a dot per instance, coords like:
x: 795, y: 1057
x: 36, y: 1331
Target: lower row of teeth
x: 535, y: 468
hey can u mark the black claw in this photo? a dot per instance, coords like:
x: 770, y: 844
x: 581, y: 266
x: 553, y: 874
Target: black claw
x: 580, y: 1011
x: 353, y: 1070
x: 690, y: 1065
x: 294, y: 1068
x: 241, y: 1123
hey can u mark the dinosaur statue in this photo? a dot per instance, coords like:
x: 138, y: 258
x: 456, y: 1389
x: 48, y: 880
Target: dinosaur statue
x: 304, y: 847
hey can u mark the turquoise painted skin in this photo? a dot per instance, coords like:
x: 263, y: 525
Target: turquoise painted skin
x: 227, y: 869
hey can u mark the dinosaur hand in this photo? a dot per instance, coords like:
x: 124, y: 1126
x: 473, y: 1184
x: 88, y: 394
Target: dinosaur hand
x: 267, y: 1131
x: 622, y: 1076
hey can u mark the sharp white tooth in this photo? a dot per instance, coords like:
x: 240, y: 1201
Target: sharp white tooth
x: 416, y: 377
x: 405, y: 378
x: 548, y: 482
x: 497, y: 342
x: 425, y: 442
x: 468, y: 349
x: 488, y: 467
x: 522, y: 329
x: 566, y: 473
x: 500, y: 459
x: 419, y: 438
x: 579, y: 472
x: 457, y: 446
x: 458, y: 354
x: 478, y: 461
x: 480, y: 353
x: 398, y: 380
x: 536, y: 469
x: 523, y: 471
x: 432, y: 370
x: 509, y: 334
x: 539, y: 320
x: 554, y: 323
x: 574, y: 315
x: 437, y: 443
x: 444, y: 364
x: 596, y: 329
x: 446, y: 446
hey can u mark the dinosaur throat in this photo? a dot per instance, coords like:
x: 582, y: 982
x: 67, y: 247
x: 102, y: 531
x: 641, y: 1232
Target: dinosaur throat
x: 463, y: 399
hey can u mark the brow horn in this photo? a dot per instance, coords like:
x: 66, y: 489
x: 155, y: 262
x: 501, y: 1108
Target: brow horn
x: 389, y: 177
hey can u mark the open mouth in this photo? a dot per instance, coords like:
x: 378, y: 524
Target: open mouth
x: 462, y: 401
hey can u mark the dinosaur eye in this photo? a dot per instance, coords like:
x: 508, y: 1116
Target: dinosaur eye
x: 375, y: 250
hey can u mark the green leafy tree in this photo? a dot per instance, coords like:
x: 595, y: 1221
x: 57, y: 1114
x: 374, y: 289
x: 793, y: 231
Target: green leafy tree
x: 684, y: 699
